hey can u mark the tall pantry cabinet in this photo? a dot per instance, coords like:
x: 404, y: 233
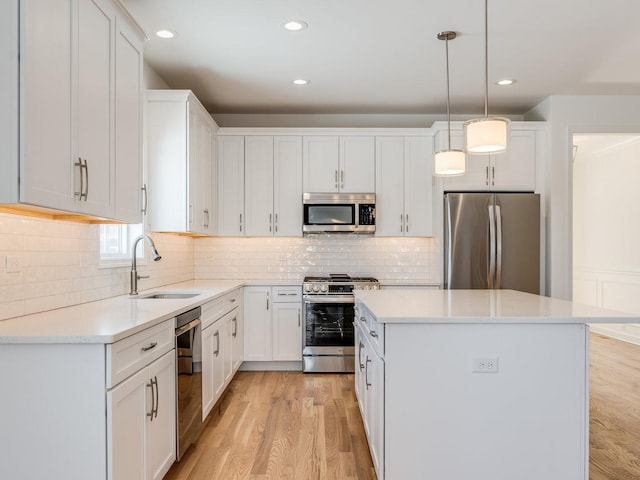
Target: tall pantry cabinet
x: 74, y: 82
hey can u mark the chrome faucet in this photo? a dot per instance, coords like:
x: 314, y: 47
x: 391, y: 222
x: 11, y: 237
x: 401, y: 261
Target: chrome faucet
x: 134, y: 273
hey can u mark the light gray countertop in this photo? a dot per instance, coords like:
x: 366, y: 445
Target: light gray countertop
x: 481, y: 306
x: 112, y: 319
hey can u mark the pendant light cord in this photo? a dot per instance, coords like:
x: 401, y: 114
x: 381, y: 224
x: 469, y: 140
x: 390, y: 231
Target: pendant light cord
x: 446, y: 45
x: 486, y: 59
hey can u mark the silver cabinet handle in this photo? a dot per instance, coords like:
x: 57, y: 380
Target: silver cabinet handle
x: 235, y: 327
x: 366, y: 372
x: 233, y: 300
x: 299, y: 316
x: 155, y: 381
x: 79, y: 164
x: 216, y: 352
x: 374, y: 334
x: 153, y: 401
x: 276, y: 223
x: 240, y: 222
x: 401, y: 223
x: 486, y: 173
x: 267, y: 301
x: 360, y: 364
x: 492, y: 251
x: 270, y: 221
x: 151, y: 345
x: 282, y: 294
x: 493, y: 176
x: 190, y: 214
x: 146, y: 199
x: 206, y: 218
x: 86, y: 180
x: 341, y: 178
x: 406, y: 229
x: 335, y: 177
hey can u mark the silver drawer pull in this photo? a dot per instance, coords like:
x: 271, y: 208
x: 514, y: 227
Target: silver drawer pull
x: 233, y: 300
x: 374, y: 334
x: 151, y: 345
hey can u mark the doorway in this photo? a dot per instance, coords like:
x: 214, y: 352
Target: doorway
x: 606, y: 226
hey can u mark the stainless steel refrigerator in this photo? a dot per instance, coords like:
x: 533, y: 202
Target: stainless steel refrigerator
x: 492, y: 240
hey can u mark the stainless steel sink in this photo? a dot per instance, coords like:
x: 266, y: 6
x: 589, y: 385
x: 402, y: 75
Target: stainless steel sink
x: 168, y: 295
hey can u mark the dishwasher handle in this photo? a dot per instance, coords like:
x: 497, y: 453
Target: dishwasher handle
x: 185, y: 328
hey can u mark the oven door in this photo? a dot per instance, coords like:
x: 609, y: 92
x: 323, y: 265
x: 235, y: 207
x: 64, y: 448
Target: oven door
x: 328, y: 325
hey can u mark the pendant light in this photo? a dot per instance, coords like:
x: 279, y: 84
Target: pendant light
x: 448, y: 162
x: 486, y: 134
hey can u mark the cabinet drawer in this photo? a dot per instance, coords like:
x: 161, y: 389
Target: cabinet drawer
x: 212, y: 311
x: 292, y: 293
x: 127, y: 356
x: 232, y: 300
x: 373, y: 329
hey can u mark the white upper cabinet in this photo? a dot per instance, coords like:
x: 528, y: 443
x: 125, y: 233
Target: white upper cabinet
x: 180, y: 163
x: 404, y: 186
x: 258, y: 185
x: 230, y: 185
x: 78, y: 81
x: 513, y: 170
x: 128, y: 122
x: 338, y: 164
x: 273, y: 185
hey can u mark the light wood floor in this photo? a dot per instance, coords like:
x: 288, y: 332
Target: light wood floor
x: 614, y: 430
x: 286, y: 425
x: 282, y: 425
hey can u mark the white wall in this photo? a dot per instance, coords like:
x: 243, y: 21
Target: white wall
x: 567, y: 115
x: 606, y: 230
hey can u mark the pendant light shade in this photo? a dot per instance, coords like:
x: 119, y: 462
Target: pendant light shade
x: 449, y: 162
x: 486, y: 134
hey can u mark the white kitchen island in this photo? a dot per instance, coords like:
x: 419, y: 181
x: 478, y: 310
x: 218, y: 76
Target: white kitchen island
x: 475, y: 384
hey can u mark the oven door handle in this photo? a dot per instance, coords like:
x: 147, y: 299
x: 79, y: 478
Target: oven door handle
x: 328, y: 299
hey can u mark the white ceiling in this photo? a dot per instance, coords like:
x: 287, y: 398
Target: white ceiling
x: 383, y: 57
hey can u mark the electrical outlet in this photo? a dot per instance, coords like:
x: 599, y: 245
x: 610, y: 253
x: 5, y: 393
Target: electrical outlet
x: 13, y: 264
x: 485, y: 365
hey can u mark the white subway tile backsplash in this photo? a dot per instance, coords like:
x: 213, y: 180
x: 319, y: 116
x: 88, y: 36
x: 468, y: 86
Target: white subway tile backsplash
x: 293, y: 258
x: 59, y: 262
x: 59, y: 265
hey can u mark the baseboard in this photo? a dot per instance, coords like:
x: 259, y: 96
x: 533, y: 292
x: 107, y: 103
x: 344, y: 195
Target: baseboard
x: 615, y: 331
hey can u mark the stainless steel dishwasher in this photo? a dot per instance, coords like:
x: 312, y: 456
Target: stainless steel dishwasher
x: 189, y: 379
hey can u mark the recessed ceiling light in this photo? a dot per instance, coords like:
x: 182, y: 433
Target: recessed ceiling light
x: 301, y: 81
x: 506, y: 81
x: 164, y: 33
x: 295, y: 25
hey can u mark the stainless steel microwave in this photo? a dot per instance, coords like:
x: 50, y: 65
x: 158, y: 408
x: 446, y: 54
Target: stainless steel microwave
x: 339, y: 212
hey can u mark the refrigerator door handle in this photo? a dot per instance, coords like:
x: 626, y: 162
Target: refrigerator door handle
x: 492, y: 249
x: 498, y: 247
x: 449, y: 245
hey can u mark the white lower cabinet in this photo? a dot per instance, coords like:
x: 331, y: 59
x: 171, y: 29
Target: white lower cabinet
x: 222, y: 351
x: 369, y: 386
x: 273, y: 323
x: 141, y: 422
x: 89, y: 410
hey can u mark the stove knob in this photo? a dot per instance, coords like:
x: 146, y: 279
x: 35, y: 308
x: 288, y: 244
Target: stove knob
x: 324, y: 288
x: 316, y: 288
x: 307, y: 288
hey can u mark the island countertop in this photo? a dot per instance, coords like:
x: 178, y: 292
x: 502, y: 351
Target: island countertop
x: 481, y: 306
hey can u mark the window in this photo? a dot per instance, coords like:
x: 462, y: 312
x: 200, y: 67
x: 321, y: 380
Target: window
x: 116, y: 241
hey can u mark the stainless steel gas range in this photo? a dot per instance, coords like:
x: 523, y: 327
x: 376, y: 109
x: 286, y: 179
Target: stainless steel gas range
x: 328, y: 321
